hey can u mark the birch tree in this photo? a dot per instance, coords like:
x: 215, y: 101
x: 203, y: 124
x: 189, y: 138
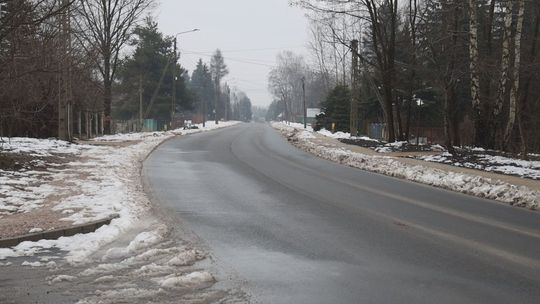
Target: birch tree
x: 514, y: 92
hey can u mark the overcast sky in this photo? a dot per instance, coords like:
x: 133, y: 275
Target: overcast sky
x: 250, y: 33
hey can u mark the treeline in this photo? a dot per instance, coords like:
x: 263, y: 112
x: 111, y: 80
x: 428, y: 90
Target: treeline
x: 62, y: 72
x: 469, y: 67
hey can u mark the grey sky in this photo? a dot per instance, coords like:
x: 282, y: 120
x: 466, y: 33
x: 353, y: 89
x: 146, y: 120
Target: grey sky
x: 249, y: 32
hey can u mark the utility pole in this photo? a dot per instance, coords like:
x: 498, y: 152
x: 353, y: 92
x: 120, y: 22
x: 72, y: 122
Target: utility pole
x: 355, y: 96
x: 140, y: 102
x: 173, y: 102
x: 64, y: 93
x: 227, y: 104
x: 204, y: 110
x: 304, y: 100
x: 174, y: 75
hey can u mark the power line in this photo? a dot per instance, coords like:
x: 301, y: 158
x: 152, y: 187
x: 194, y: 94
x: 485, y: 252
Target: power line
x: 246, y: 61
x: 255, y: 50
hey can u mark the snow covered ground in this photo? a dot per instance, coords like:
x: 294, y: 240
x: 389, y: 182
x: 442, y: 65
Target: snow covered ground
x: 481, y: 160
x: 91, y: 183
x: 472, y: 158
x: 469, y: 184
x: 132, y: 259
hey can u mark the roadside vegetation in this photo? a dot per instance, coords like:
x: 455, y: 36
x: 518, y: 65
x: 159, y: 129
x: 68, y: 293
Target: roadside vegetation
x: 458, y: 73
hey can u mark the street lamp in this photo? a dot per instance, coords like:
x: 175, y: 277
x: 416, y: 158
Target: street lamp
x: 173, y: 101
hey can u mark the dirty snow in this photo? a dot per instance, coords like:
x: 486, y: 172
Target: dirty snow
x: 469, y: 184
x: 111, y: 186
x: 193, y: 279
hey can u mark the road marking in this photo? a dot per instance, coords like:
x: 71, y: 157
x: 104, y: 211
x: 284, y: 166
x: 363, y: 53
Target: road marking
x: 426, y: 205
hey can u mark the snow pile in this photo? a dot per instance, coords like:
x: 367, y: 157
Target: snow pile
x: 107, y: 180
x: 336, y: 135
x: 469, y: 184
x: 194, y: 279
x: 306, y: 135
x: 210, y: 125
x: 155, y: 267
x: 298, y: 126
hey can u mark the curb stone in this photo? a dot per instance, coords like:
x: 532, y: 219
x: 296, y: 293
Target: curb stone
x: 56, y: 234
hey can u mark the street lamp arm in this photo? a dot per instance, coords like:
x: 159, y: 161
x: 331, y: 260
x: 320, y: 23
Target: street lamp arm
x: 191, y: 31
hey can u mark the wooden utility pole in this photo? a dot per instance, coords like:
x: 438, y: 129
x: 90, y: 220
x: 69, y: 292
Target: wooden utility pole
x: 65, y: 93
x: 227, y: 103
x: 173, y: 103
x: 140, y: 103
x: 204, y: 110
x: 355, y: 92
x: 304, y: 101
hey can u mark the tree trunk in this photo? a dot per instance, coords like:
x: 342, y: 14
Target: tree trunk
x: 413, y: 7
x: 505, y: 60
x: 107, y: 94
x: 473, y: 56
x: 515, y: 86
x: 389, y: 111
x: 448, y: 123
x: 524, y: 110
x: 399, y: 121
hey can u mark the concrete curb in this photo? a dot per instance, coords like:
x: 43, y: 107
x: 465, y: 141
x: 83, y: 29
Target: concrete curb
x: 56, y: 234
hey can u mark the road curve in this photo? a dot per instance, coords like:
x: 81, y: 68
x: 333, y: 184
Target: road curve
x: 300, y: 229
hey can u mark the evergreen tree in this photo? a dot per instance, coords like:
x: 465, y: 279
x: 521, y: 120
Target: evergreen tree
x: 337, y: 108
x: 151, y: 62
x: 203, y: 88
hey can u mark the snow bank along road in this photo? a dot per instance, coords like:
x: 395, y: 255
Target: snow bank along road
x: 137, y: 258
x: 300, y: 229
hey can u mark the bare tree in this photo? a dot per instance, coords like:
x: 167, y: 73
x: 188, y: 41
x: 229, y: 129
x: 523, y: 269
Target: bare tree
x: 107, y: 25
x: 285, y: 82
x: 15, y: 14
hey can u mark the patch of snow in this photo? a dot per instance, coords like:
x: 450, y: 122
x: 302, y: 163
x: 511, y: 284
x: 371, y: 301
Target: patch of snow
x: 61, y: 278
x: 153, y: 270
x: 306, y: 135
x: 193, y: 279
x: 104, y: 269
x: 146, y: 239
x: 186, y: 258
x: 35, y: 230
x: 32, y: 264
x: 105, y: 279
x: 391, y: 147
x: 336, y: 135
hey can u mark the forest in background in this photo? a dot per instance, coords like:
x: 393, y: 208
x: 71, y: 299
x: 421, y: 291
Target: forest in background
x: 466, y: 68
x: 75, y: 67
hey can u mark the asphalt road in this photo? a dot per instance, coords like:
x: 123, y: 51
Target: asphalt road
x: 300, y: 229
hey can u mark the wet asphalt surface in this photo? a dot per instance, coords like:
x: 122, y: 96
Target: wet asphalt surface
x: 299, y: 229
